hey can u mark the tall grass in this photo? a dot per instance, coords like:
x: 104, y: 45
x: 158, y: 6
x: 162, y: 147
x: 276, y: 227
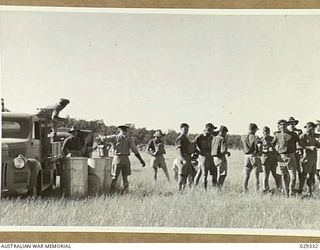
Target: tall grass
x: 150, y: 204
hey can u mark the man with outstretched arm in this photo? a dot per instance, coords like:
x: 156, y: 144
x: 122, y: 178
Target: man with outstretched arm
x: 122, y: 144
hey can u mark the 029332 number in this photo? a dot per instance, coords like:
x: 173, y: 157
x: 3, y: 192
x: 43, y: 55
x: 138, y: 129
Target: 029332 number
x: 309, y: 246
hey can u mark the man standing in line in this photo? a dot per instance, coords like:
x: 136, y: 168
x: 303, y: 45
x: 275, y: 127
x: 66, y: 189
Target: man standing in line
x: 287, y: 146
x: 309, y: 160
x: 185, y: 150
x: 269, y: 160
x: 318, y: 151
x: 292, y: 123
x: 155, y: 148
x: 122, y: 144
x: 219, y: 151
x: 252, y: 147
x: 203, y: 144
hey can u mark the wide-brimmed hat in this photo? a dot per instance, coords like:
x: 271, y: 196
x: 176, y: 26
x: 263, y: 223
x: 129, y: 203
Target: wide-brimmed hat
x: 64, y: 101
x: 210, y: 125
x: 158, y: 133
x: 123, y: 127
x: 73, y: 129
x: 292, y: 120
x: 310, y: 125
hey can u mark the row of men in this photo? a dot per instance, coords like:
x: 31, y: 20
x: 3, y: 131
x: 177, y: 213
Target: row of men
x: 210, y: 148
x: 290, y: 149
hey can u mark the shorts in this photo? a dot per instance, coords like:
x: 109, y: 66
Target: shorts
x: 184, y: 169
x: 252, y: 163
x: 287, y: 162
x: 158, y: 162
x: 120, y: 164
x: 207, y: 164
x: 309, y: 167
x: 221, y: 165
x: 269, y: 163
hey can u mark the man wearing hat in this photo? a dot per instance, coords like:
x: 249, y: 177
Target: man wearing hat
x: 286, y: 142
x: 269, y: 160
x: 309, y: 160
x: 252, y: 147
x: 292, y: 123
x: 317, y: 133
x: 72, y: 145
x: 185, y: 150
x: 155, y: 148
x: 219, y: 151
x: 203, y: 144
x: 53, y: 112
x: 122, y: 144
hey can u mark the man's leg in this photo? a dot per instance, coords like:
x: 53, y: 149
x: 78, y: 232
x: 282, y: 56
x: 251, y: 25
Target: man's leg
x: 247, y: 172
x: 221, y: 180
x: 155, y: 172
x: 310, y: 178
x: 115, y: 172
x: 257, y: 180
x: 277, y: 177
x: 198, y: 176
x: 205, y: 177
x: 214, y: 175
x: 302, y: 182
x: 165, y: 170
x: 266, y: 174
x: 125, y: 182
x: 292, y: 181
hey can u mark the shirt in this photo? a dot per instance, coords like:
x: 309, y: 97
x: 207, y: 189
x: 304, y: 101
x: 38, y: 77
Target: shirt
x: 156, y: 147
x: 219, y: 146
x: 204, y: 143
x: 183, y: 143
x: 310, y: 140
x: 122, y: 144
x: 250, y: 143
x: 286, y: 141
x: 267, y: 147
x: 71, y: 143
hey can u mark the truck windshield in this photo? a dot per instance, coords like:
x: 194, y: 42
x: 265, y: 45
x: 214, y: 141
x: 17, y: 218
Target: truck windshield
x: 15, y: 128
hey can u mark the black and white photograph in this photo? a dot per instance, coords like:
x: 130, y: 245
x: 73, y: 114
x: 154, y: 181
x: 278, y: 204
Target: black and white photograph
x: 158, y: 119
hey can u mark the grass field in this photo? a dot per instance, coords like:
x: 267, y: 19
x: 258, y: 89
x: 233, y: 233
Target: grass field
x: 160, y: 205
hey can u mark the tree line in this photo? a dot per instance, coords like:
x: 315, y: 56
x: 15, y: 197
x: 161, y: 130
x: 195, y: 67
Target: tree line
x: 141, y: 136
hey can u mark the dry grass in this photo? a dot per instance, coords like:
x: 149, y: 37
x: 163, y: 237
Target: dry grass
x: 149, y: 204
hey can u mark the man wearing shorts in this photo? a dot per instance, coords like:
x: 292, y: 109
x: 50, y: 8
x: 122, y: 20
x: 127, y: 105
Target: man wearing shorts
x: 269, y: 160
x: 185, y: 150
x: 203, y: 144
x: 309, y: 160
x: 156, y: 149
x: 122, y: 144
x: 286, y: 142
x: 219, y: 151
x: 252, y: 146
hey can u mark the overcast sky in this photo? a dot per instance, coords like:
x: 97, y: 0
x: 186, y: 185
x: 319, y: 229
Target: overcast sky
x: 157, y: 71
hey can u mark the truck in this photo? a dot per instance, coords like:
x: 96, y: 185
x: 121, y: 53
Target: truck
x: 31, y: 160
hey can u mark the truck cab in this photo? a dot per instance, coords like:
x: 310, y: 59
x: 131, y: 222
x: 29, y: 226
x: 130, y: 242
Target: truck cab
x: 29, y: 157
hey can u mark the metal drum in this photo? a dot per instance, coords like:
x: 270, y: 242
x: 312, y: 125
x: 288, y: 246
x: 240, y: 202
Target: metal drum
x: 96, y: 175
x: 74, y: 177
